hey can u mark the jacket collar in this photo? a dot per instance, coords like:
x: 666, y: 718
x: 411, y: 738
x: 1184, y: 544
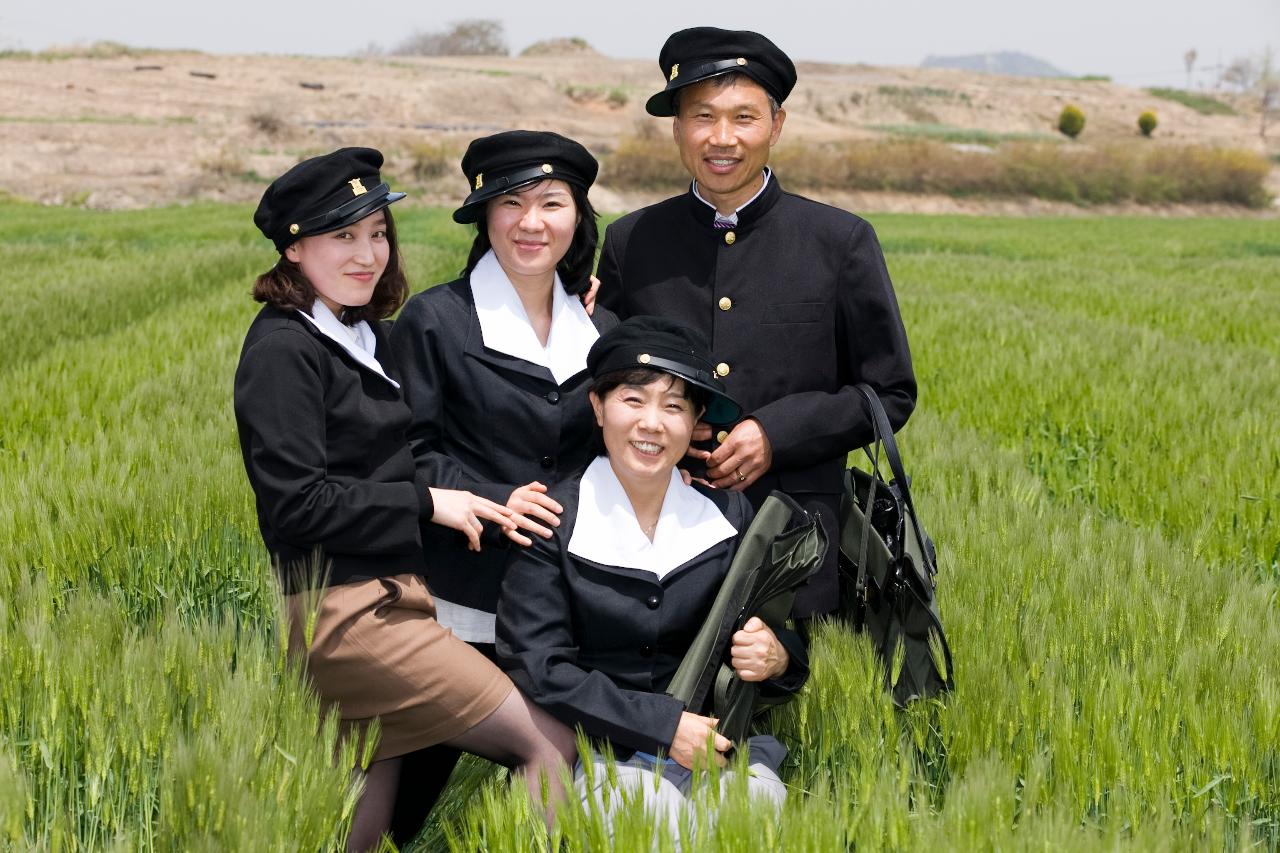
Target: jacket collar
x: 748, y: 215
x: 505, y: 327
x: 735, y: 216
x: 607, y: 532
x: 361, y: 345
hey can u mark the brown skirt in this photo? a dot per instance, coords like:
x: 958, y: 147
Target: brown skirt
x: 377, y: 651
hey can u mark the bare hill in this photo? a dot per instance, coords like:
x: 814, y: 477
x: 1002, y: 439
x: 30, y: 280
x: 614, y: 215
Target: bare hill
x: 148, y: 128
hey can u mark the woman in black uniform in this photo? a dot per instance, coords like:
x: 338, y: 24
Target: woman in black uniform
x: 323, y: 432
x: 495, y: 362
x: 593, y: 622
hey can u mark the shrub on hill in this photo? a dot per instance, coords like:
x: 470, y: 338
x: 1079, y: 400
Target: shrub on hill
x: 1071, y: 120
x: 1147, y: 122
x: 429, y: 161
x: 560, y: 47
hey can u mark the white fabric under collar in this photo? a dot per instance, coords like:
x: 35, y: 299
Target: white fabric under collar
x: 505, y: 325
x: 607, y: 531
x: 361, y: 346
x: 732, y: 218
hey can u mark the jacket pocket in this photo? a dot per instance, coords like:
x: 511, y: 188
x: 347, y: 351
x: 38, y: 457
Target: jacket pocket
x: 794, y: 312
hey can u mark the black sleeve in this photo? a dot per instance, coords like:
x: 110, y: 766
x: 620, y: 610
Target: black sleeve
x: 280, y: 410
x: 811, y: 426
x: 536, y: 643
x: 419, y: 344
x: 609, y: 271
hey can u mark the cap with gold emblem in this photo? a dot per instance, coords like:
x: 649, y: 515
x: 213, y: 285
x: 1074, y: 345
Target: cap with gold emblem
x: 667, y: 346
x: 505, y: 161
x: 323, y: 194
x: 699, y: 53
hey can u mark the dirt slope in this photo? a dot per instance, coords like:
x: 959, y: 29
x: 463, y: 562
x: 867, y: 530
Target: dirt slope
x: 136, y: 130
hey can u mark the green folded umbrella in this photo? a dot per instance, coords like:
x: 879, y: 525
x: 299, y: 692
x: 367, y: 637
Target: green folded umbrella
x: 782, y: 547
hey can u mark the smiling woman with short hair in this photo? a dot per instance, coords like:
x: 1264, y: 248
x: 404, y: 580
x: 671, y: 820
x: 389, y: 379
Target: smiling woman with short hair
x: 594, y: 621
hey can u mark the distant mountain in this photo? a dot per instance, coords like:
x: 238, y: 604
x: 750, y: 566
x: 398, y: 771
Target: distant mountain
x: 1004, y: 62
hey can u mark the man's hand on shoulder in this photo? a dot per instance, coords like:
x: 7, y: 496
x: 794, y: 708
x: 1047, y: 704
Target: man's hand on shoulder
x: 589, y: 298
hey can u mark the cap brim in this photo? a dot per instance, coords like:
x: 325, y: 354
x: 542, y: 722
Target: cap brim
x: 473, y: 205
x: 353, y: 214
x: 662, y: 106
x: 721, y: 408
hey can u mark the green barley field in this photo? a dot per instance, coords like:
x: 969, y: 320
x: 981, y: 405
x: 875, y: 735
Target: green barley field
x: 1095, y: 451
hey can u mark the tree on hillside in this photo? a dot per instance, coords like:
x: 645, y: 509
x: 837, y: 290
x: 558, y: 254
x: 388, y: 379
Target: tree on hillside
x: 1189, y: 60
x: 1260, y: 80
x: 1268, y: 91
x: 472, y: 37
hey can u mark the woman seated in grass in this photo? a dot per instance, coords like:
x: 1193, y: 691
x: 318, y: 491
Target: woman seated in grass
x: 323, y: 430
x: 594, y: 621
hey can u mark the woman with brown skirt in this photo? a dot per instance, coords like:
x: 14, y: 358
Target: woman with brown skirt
x: 322, y: 423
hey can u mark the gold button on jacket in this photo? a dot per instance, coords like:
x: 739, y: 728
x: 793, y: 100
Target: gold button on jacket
x: 730, y: 237
x: 722, y: 369
x: 725, y: 303
x: 721, y: 436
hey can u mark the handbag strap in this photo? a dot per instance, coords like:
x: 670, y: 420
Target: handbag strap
x: 884, y: 435
x: 860, y: 583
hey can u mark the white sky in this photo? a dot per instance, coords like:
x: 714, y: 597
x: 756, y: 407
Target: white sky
x: 1139, y: 42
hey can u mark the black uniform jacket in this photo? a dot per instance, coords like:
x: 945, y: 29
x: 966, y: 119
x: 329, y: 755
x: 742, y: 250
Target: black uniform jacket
x: 483, y: 421
x: 597, y: 645
x: 325, y: 445
x: 797, y: 304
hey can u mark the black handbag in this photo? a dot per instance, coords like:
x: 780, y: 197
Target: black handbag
x: 888, y: 568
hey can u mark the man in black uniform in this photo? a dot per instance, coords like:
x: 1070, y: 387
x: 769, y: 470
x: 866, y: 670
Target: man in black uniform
x: 793, y: 295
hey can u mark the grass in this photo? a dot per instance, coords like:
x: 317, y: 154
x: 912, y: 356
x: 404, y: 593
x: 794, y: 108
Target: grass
x: 1094, y: 453
x: 90, y: 119
x: 959, y: 135
x: 96, y: 50
x: 915, y: 92
x: 1201, y: 103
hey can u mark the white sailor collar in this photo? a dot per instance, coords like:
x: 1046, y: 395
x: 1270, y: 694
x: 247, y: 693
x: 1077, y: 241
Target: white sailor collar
x: 505, y: 326
x: 607, y: 531
x: 361, y: 346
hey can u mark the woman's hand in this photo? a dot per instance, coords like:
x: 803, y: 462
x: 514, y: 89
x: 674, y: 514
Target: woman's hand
x: 462, y: 511
x: 690, y: 743
x: 530, y: 502
x: 756, y: 654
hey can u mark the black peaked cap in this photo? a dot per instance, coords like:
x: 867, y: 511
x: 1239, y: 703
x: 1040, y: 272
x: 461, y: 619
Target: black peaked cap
x: 667, y: 346
x: 504, y: 161
x: 323, y: 194
x: 699, y: 53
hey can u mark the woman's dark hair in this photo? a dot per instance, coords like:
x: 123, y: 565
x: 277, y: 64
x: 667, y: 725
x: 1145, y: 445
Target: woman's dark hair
x: 284, y: 286
x: 697, y: 396
x: 575, y: 266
